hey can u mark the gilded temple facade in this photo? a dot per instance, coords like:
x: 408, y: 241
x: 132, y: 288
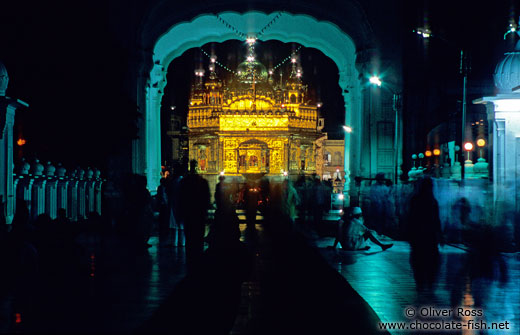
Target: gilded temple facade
x: 252, y: 126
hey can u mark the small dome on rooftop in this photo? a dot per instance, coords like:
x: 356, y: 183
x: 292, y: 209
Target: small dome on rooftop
x: 507, y: 71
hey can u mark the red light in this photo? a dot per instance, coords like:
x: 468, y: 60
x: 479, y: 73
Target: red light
x: 18, y: 318
x: 21, y: 142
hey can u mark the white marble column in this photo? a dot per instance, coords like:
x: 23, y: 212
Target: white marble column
x: 7, y: 189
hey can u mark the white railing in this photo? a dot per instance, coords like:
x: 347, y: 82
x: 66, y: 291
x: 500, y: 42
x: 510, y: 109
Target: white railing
x: 48, y: 189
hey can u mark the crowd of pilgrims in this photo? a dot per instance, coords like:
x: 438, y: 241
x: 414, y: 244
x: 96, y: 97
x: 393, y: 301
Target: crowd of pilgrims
x: 38, y: 247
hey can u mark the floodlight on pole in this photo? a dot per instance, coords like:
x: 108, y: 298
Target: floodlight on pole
x: 468, y: 146
x: 375, y: 80
x: 481, y: 143
x: 347, y: 129
x: 464, y: 68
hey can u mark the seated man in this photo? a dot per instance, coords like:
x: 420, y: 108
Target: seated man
x: 352, y: 235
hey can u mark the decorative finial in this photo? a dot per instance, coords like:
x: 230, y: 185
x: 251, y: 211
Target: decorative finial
x: 513, y: 29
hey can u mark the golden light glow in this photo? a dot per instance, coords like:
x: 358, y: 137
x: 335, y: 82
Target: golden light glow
x: 428, y: 153
x: 468, y: 146
x: 241, y: 128
x: 481, y: 142
x: 21, y: 142
x: 436, y: 152
x: 253, y: 123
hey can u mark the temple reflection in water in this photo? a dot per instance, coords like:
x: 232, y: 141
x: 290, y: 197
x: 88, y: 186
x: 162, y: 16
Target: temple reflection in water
x: 253, y: 125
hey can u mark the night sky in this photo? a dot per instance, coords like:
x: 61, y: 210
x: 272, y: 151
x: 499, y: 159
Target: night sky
x: 66, y: 62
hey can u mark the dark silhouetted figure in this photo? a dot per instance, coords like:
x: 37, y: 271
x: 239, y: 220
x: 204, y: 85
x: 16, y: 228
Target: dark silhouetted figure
x: 318, y: 201
x: 194, y: 202
x: 424, y: 234
x: 224, y: 231
x: 175, y: 224
x: 251, y: 196
x: 138, y: 222
x: 381, y: 206
x: 164, y: 211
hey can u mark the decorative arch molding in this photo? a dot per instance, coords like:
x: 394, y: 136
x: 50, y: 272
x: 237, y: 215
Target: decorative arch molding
x: 300, y: 28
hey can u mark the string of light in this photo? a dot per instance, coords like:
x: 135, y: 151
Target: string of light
x: 293, y: 54
x: 243, y: 35
x: 217, y: 62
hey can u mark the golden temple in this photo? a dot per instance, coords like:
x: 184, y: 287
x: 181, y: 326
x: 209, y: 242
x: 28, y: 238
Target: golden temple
x: 252, y: 126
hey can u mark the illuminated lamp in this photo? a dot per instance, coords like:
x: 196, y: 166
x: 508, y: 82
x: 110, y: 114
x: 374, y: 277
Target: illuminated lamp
x: 221, y: 173
x: 481, y: 143
x: 213, y: 59
x: 341, y: 196
x: 347, y: 129
x: 428, y: 153
x: 293, y: 60
x: 375, y: 80
x: 21, y: 142
x: 436, y: 152
x: 468, y: 146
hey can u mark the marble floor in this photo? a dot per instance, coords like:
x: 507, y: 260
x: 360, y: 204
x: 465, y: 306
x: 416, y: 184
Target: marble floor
x: 105, y: 287
x: 386, y: 281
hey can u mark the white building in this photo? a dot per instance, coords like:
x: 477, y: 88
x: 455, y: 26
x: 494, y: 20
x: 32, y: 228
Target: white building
x: 503, y: 112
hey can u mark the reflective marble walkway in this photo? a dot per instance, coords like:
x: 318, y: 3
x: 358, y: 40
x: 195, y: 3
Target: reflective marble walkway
x: 385, y: 280
x: 105, y: 287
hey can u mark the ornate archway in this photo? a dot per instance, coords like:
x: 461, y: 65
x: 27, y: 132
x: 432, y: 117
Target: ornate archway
x: 299, y: 28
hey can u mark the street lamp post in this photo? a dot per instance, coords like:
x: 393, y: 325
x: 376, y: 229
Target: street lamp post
x: 464, y: 68
x: 396, y: 103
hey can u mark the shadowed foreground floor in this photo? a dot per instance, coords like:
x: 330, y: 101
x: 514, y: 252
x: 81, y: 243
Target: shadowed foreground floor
x: 288, y: 288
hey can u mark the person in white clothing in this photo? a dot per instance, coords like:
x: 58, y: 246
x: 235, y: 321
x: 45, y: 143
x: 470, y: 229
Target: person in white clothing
x: 353, y: 234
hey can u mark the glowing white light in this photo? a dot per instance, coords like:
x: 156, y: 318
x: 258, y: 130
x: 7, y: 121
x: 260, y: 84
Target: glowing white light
x: 213, y: 59
x: 507, y: 105
x: 341, y: 197
x: 347, y: 129
x: 468, y: 146
x: 293, y: 60
x: 425, y: 35
x: 251, y: 40
x: 172, y: 107
x: 298, y: 75
x: 221, y: 173
x: 319, y: 104
x: 211, y: 68
x: 270, y: 72
x: 250, y: 58
x: 375, y: 80
x: 285, y: 173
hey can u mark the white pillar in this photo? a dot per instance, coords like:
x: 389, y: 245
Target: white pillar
x: 7, y: 190
x: 51, y: 195
x: 38, y: 197
x: 72, y: 198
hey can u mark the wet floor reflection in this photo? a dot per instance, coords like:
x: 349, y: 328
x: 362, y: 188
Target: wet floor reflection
x: 386, y: 281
